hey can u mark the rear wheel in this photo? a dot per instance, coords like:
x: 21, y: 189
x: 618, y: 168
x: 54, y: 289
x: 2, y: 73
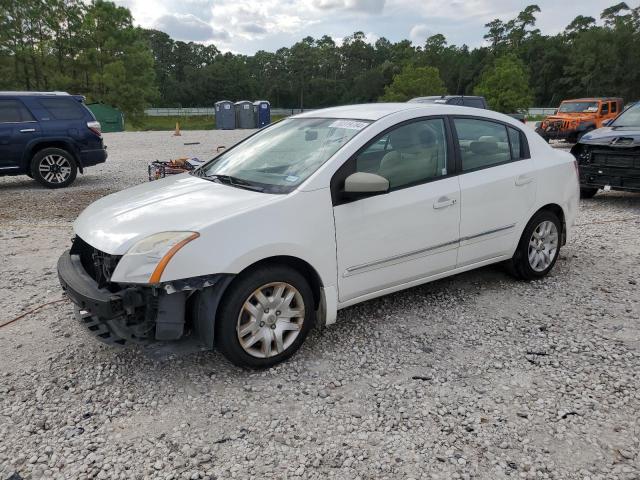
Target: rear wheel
x: 54, y: 168
x: 588, y: 192
x: 539, y: 247
x: 264, y: 317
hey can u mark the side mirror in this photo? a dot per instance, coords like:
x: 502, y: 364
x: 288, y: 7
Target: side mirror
x: 363, y: 184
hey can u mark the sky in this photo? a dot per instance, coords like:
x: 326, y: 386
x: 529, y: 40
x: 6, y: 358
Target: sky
x: 246, y: 26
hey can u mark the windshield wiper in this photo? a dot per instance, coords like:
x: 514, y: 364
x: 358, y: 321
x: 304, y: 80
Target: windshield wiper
x: 234, y: 181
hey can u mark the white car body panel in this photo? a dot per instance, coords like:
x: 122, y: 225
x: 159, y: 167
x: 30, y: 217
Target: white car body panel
x: 386, y: 240
x: 360, y: 250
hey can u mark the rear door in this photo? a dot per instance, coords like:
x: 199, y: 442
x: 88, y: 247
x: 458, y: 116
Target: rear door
x: 497, y: 187
x: 17, y: 129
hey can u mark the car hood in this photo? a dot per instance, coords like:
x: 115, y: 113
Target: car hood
x: 614, y: 136
x: 569, y: 117
x: 177, y: 203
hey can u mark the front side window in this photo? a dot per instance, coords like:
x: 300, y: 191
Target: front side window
x: 63, y: 108
x: 629, y: 118
x: 14, y: 111
x: 413, y: 153
x: 605, y: 109
x: 482, y: 143
x: 281, y: 157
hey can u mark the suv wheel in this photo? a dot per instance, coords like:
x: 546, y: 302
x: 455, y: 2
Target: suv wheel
x: 264, y: 317
x: 539, y: 247
x: 54, y: 168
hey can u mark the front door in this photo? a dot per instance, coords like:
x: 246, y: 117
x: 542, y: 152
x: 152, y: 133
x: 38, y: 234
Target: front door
x: 497, y: 188
x: 409, y: 233
x: 17, y: 129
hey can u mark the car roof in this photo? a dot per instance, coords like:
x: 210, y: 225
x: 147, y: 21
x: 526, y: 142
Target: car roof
x: 29, y: 94
x: 441, y: 97
x: 376, y: 111
x: 593, y: 99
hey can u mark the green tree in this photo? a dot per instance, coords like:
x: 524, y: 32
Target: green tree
x: 505, y: 85
x: 414, y: 82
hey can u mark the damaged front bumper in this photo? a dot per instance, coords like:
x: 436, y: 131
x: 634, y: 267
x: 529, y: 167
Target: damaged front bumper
x: 120, y: 314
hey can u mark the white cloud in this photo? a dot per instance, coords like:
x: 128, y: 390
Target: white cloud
x: 185, y: 27
x: 419, y: 33
x: 364, y: 6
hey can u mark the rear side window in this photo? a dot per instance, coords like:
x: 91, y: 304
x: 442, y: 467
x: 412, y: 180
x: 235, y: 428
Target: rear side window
x: 63, y: 108
x: 614, y: 107
x: 517, y: 141
x: 12, y: 111
x: 605, y: 109
x: 482, y: 143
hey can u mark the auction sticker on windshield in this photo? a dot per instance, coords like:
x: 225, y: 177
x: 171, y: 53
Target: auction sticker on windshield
x: 349, y: 124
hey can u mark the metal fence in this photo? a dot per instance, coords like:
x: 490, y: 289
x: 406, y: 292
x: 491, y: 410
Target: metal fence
x: 279, y: 112
x: 210, y: 111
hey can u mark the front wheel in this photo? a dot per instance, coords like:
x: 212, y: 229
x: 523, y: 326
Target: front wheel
x: 264, y: 317
x: 539, y: 247
x: 54, y: 168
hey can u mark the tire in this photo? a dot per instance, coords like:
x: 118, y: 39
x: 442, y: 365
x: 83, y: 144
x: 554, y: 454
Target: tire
x: 588, y: 192
x: 544, y: 247
x: 54, y: 168
x: 247, y: 330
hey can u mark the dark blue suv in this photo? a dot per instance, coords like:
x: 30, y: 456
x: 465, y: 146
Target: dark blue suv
x: 48, y: 136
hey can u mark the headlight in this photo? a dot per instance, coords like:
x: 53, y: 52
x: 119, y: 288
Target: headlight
x: 146, y: 260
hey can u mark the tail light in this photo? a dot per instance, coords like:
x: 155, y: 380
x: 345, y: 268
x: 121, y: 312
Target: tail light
x: 95, y: 127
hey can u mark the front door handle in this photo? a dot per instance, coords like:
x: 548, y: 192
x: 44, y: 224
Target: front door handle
x: 27, y: 130
x: 523, y: 180
x: 444, y: 202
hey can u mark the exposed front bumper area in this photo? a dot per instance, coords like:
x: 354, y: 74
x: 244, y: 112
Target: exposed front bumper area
x: 607, y: 165
x: 181, y: 310
x: 114, y: 317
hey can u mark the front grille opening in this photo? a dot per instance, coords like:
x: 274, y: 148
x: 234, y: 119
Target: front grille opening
x: 98, y: 265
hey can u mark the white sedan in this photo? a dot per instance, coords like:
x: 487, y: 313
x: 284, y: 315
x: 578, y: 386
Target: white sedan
x: 312, y: 214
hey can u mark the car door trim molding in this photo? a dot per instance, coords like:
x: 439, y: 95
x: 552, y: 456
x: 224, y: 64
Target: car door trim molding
x: 403, y: 257
x: 488, y: 232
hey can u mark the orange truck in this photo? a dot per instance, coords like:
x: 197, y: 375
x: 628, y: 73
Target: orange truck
x: 576, y: 117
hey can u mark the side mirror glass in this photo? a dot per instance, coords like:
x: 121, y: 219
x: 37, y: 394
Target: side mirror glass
x: 363, y: 184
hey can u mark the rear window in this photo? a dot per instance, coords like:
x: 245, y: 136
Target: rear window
x: 63, y: 108
x: 13, y: 111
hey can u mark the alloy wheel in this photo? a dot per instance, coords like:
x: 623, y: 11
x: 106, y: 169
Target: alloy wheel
x: 543, y: 246
x: 270, y: 320
x: 55, y: 168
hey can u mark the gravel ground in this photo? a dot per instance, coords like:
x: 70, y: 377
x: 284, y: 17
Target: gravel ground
x: 476, y: 376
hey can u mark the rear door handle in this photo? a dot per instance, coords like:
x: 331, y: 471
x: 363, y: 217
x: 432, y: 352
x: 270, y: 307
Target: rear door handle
x: 444, y: 202
x: 523, y: 180
x: 27, y: 130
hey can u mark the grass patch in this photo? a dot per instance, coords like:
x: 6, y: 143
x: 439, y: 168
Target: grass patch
x: 200, y: 122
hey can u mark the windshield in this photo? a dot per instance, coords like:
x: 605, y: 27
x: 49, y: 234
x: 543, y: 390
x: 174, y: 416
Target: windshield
x: 281, y: 157
x: 629, y: 118
x: 578, y: 107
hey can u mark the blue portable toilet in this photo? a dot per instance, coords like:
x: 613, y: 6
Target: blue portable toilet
x: 225, y: 115
x: 261, y: 113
